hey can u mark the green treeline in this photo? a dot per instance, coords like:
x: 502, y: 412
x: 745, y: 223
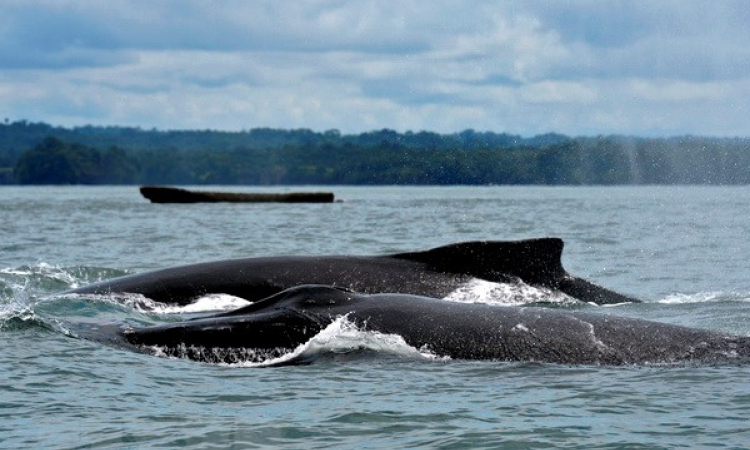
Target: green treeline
x: 40, y: 154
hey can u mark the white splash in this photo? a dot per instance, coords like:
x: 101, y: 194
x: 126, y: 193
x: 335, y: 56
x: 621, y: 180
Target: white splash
x: 213, y: 302
x: 477, y: 290
x: 42, y: 269
x: 342, y: 336
x: 19, y: 306
x: 704, y: 297
x: 140, y: 303
x: 16, y: 310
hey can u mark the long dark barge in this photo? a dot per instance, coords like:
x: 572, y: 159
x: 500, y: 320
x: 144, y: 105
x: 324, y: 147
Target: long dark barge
x: 162, y: 194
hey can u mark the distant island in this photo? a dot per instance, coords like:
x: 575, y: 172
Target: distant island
x: 39, y: 153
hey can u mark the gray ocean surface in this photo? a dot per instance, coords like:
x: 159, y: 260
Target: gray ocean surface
x: 684, y: 250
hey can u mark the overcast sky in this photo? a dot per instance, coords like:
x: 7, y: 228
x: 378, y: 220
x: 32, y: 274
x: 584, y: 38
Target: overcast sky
x: 650, y: 68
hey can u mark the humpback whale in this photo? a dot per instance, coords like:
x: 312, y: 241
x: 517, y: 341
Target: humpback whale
x: 434, y: 273
x: 278, y: 324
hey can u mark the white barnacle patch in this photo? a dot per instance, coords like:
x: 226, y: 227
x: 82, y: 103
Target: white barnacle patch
x: 731, y: 351
x: 597, y: 342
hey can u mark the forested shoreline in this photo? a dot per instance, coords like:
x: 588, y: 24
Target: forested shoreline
x: 38, y: 153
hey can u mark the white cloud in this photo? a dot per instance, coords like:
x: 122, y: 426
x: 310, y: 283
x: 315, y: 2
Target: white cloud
x: 679, y: 91
x: 581, y: 67
x: 564, y: 92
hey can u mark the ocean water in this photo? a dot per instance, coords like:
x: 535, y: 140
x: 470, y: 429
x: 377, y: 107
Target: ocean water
x: 683, y: 250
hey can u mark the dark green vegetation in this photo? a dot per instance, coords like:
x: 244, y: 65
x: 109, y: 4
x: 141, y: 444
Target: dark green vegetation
x: 34, y: 153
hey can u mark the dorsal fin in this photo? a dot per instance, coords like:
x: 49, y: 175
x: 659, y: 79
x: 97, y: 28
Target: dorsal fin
x: 535, y: 261
x: 308, y: 293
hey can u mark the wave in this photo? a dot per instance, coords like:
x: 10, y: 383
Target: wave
x: 16, y: 311
x: 706, y: 297
x: 13, y: 318
x: 42, y: 271
x: 18, y: 316
x: 141, y: 304
x: 43, y: 277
